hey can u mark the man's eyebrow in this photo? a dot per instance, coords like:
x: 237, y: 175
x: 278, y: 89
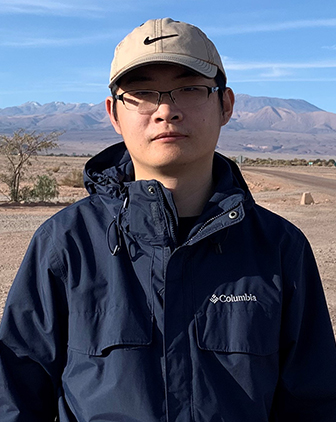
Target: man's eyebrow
x: 137, y: 78
x: 131, y: 79
x: 186, y: 74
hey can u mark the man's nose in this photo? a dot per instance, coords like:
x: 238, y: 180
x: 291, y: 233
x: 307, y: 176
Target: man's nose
x: 167, y: 108
x: 166, y: 96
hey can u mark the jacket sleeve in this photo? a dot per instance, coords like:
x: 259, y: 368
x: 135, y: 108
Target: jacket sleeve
x: 307, y: 379
x: 33, y: 337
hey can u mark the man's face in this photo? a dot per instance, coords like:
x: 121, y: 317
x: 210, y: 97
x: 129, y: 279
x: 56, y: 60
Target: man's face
x: 170, y: 139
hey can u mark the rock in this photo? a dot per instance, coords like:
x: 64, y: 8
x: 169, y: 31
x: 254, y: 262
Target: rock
x: 307, y: 199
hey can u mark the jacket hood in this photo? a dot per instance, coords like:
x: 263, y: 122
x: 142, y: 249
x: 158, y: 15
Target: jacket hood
x: 110, y: 175
x: 111, y: 167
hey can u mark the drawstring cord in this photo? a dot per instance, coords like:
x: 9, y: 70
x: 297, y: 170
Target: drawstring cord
x: 216, y: 246
x: 219, y: 249
x: 116, y: 233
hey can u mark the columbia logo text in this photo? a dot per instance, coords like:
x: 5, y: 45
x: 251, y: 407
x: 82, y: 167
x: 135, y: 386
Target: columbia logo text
x: 233, y: 298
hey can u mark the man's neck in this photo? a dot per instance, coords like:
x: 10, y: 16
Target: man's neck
x: 190, y: 196
x: 191, y: 190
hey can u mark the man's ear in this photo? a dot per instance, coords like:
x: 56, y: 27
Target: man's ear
x: 113, y: 119
x: 228, y: 103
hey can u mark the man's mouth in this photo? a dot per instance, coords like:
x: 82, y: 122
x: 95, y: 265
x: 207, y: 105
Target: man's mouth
x: 169, y: 136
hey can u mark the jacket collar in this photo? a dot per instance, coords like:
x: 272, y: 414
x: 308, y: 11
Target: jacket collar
x: 112, y: 168
x: 110, y: 175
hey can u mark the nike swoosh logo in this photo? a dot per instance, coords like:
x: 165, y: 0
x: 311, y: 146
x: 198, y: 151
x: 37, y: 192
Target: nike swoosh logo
x: 148, y: 41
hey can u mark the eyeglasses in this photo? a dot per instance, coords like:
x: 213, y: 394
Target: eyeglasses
x: 146, y: 101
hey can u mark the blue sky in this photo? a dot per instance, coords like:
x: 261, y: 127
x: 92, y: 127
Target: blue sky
x: 60, y: 50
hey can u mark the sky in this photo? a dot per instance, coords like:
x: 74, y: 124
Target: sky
x: 61, y: 50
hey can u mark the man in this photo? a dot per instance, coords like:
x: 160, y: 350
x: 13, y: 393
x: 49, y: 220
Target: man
x: 168, y: 294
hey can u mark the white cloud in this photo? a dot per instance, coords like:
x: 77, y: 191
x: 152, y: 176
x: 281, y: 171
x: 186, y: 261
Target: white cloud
x: 260, y: 79
x: 239, y: 65
x: 330, y: 47
x: 275, y: 72
x: 39, y: 7
x: 240, y: 71
x: 61, y: 7
x: 270, y: 27
x: 38, y: 42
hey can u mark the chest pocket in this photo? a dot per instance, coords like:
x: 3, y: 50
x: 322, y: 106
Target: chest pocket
x: 97, y: 333
x: 252, y: 330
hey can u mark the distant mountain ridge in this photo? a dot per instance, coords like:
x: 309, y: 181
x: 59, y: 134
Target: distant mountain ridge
x: 243, y: 102
x: 262, y: 124
x: 35, y: 108
x: 251, y: 104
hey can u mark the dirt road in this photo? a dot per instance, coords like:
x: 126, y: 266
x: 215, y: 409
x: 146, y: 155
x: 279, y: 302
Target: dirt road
x: 309, y: 180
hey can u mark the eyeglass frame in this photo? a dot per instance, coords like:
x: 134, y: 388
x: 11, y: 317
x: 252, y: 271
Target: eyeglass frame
x: 120, y: 97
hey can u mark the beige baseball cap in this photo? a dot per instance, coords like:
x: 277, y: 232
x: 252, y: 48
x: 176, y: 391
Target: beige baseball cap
x: 166, y: 41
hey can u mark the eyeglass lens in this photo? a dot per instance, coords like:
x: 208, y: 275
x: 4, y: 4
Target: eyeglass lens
x: 147, y: 101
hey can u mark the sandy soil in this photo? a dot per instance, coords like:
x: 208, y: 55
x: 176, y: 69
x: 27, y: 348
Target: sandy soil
x: 278, y: 192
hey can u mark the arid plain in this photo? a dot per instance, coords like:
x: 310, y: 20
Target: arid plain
x: 277, y: 188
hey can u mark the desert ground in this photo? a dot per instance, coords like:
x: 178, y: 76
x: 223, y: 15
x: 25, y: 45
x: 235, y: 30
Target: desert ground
x: 277, y: 188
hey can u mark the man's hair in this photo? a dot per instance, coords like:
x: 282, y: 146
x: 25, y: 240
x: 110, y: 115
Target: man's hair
x: 220, y: 80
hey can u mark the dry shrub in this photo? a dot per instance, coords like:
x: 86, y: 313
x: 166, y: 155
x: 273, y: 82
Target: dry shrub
x: 73, y: 179
x: 45, y: 188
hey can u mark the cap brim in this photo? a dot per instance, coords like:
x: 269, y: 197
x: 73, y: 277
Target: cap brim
x: 204, y: 68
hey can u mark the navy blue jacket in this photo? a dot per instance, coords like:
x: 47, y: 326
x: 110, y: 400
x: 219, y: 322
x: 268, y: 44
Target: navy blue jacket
x: 109, y: 319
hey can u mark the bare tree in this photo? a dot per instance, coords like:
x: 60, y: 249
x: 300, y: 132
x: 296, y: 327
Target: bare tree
x: 18, y: 149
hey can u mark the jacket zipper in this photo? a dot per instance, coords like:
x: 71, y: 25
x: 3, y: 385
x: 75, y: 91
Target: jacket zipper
x: 170, y: 217
x: 209, y: 222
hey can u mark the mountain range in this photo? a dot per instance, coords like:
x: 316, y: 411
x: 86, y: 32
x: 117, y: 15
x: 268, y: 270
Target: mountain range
x: 259, y: 124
